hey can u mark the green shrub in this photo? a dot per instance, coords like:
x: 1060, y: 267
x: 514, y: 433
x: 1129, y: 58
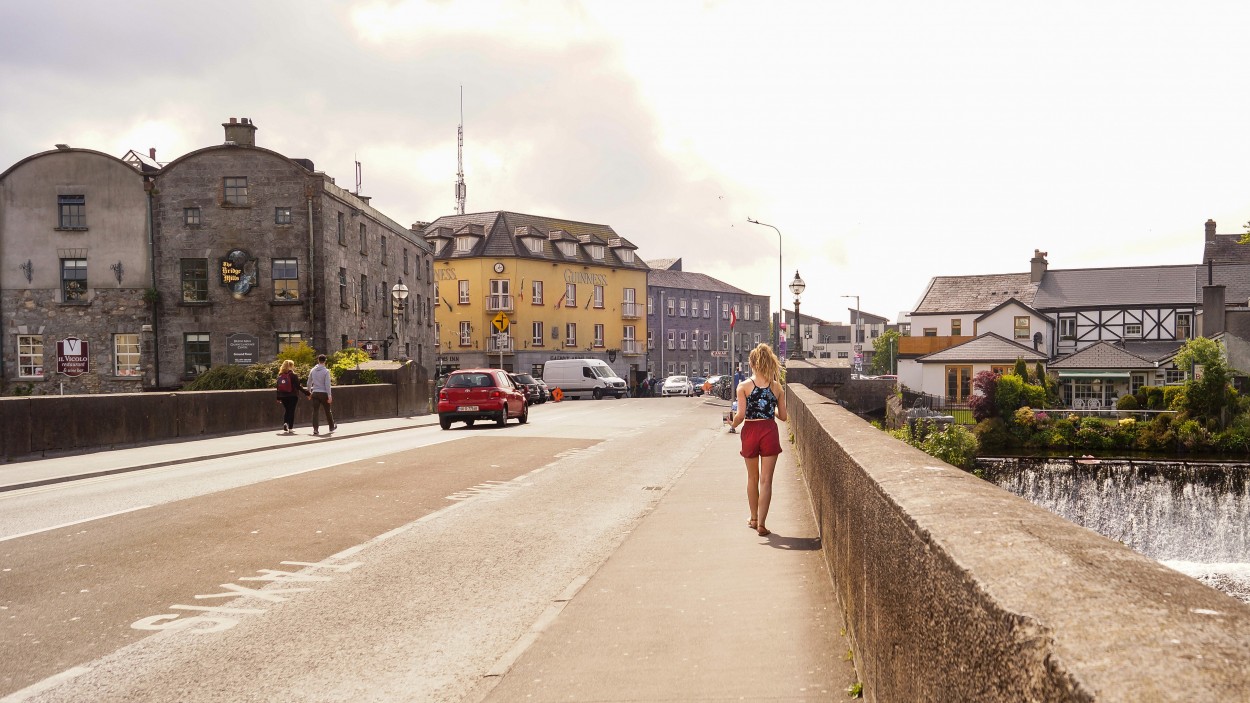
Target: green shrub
x: 1128, y: 402
x: 991, y: 433
x: 1063, y: 433
x: 1192, y: 435
x: 229, y: 378
x: 345, y: 359
x: 303, y: 355
x: 1154, y: 397
x: 1174, y: 397
x: 955, y: 445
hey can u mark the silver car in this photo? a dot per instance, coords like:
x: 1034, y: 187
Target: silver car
x: 677, y: 385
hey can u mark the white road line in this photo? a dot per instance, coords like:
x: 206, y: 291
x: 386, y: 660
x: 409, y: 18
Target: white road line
x: 71, y: 524
x: 46, y: 684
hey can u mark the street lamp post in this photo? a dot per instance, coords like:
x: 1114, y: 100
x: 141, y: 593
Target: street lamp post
x: 780, y: 305
x: 796, y: 287
x: 399, y: 294
x: 855, y: 343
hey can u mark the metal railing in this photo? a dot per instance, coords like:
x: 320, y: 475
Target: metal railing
x: 499, y: 303
x: 631, y: 347
x: 499, y: 343
x: 630, y: 311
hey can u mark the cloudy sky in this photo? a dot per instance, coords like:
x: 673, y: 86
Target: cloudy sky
x: 888, y: 141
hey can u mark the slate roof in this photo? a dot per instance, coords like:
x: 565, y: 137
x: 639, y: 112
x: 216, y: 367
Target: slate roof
x: 949, y: 294
x: 689, y: 280
x: 1116, y: 287
x: 1234, y: 277
x: 666, y: 264
x: 1102, y: 355
x: 498, y: 237
x: 1152, y: 350
x: 1224, y: 249
x: 1006, y: 303
x: 987, y: 348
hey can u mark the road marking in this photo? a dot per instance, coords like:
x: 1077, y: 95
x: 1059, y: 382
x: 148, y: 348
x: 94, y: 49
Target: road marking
x: 71, y: 524
x: 46, y: 684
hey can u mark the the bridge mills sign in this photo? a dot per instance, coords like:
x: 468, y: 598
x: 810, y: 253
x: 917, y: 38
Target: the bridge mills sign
x: 238, y: 272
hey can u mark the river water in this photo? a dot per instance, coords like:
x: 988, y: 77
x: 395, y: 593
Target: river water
x: 1191, y: 516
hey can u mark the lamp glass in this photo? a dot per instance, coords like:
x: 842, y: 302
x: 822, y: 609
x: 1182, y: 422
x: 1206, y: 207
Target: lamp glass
x: 399, y: 291
x: 797, y: 285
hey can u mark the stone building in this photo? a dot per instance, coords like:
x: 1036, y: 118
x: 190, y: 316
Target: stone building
x: 560, y: 289
x: 689, y: 316
x: 74, y: 264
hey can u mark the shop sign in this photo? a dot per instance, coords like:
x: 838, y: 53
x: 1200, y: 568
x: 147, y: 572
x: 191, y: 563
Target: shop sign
x: 242, y: 349
x: 73, y: 356
x: 238, y: 272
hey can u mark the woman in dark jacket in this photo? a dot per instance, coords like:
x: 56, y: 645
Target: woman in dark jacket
x: 289, y: 389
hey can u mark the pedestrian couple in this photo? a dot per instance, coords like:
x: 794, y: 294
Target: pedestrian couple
x: 761, y: 398
x: 318, y: 390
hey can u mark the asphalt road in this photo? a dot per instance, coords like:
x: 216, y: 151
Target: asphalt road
x: 382, y: 567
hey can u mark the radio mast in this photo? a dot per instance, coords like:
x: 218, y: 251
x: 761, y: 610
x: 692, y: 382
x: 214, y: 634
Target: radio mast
x: 460, y: 189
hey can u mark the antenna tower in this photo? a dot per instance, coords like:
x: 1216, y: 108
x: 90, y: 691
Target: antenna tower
x: 460, y: 189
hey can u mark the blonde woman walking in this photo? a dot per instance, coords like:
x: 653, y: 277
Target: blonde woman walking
x: 761, y: 398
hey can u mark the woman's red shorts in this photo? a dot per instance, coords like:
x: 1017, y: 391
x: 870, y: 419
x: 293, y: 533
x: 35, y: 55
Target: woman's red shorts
x: 759, y: 438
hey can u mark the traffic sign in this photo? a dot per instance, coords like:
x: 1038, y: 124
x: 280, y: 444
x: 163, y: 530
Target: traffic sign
x: 500, y: 323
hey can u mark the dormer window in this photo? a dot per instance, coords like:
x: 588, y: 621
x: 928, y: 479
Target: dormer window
x: 627, y: 255
x: 568, y: 248
x: 464, y: 243
x: 596, y: 251
x: 534, y: 244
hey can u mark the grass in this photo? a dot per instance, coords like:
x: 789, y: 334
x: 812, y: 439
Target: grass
x: 855, y: 690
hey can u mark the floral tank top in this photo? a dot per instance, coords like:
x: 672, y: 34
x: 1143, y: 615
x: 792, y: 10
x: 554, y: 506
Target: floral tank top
x: 761, y: 403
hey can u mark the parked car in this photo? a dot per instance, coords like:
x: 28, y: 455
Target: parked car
x: 696, y: 383
x: 481, y: 394
x: 533, y: 393
x: 544, y: 389
x: 676, y: 385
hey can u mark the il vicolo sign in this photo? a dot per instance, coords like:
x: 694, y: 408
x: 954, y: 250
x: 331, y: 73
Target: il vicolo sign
x: 73, y: 356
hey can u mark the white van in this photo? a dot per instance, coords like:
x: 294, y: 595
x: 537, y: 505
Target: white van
x: 579, y: 378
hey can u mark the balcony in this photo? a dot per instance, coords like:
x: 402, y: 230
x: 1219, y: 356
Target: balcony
x: 919, y: 346
x: 631, y: 347
x: 497, y: 343
x: 630, y: 310
x: 499, y: 303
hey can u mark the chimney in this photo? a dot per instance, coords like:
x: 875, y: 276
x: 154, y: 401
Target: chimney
x: 240, y: 131
x: 1210, y: 230
x: 152, y: 153
x: 1037, y: 266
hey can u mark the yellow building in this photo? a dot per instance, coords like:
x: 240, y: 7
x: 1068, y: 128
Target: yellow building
x: 560, y: 289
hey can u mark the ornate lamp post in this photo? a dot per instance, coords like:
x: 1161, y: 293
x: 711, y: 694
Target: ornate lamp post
x: 399, y: 294
x: 780, y: 304
x: 796, y: 287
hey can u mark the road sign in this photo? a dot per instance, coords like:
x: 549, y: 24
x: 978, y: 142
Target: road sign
x: 500, y: 323
x: 718, y: 354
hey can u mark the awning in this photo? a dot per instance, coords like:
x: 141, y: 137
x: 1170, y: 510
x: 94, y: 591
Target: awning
x: 1120, y: 375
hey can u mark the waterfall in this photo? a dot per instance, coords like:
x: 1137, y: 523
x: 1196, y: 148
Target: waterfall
x: 1191, y: 516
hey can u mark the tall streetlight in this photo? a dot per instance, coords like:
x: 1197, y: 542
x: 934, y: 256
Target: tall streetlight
x: 780, y: 304
x: 796, y: 287
x: 399, y: 294
x: 855, y: 343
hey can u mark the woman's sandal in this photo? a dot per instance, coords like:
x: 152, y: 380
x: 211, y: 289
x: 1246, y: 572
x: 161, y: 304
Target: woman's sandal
x: 751, y: 523
x: 762, y: 531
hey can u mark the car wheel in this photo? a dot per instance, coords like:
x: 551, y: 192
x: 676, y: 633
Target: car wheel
x: 525, y: 416
x: 469, y: 423
x: 596, y: 394
x: 503, y: 417
x: 444, y: 422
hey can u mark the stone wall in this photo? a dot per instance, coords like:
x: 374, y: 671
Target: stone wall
x: 954, y: 589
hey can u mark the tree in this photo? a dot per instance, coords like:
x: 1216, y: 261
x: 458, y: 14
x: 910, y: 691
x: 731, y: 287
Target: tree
x: 1022, y: 369
x: 1205, y: 398
x: 884, y: 351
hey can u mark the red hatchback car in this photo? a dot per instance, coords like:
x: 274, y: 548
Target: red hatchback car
x: 481, y: 394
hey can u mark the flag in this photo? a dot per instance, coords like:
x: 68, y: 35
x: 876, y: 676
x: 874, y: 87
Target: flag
x: 733, y: 317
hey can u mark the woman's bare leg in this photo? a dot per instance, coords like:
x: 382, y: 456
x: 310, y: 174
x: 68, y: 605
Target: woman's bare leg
x: 753, y: 485
x: 764, y: 491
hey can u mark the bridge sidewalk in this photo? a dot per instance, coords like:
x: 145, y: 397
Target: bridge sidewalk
x: 38, y: 472
x: 695, y: 606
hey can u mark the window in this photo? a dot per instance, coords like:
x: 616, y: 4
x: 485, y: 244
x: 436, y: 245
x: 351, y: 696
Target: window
x: 194, y: 273
x: 598, y: 335
x: 1067, y: 328
x: 286, y: 279
x: 757, y: 313
x: 568, y: 248
x: 73, y: 280
x: 342, y: 230
x: 596, y: 251
x: 1002, y: 370
x: 570, y: 334
x: 196, y: 353
x: 724, y: 311
x: 650, y: 304
x: 707, y: 340
x: 672, y: 307
x: 1136, y: 381
x: 628, y: 307
x: 737, y: 314
x: 843, y: 355
x: 500, y: 297
x: 126, y: 355
x: 191, y: 216
x: 958, y: 383
x: 536, y: 292
x: 627, y: 255
x: 466, y: 334
x: 683, y: 307
x: 681, y: 338
x: 406, y: 264
x: 684, y: 368
x: 1022, y: 327
x: 289, y: 340
x: 534, y: 244
x: 71, y: 212
x: 282, y: 216
x: 956, y: 327
x: 570, y: 295
x: 536, y: 332
x: 672, y: 368
x: 599, y: 297
x: 627, y: 335
x: 382, y: 249
x: 672, y: 340
x: 464, y: 292
x: 707, y: 308
x: 1132, y: 329
x: 757, y: 339
x: 930, y: 332
x: 1174, y: 376
x: 234, y: 190
x: 1184, y: 325
x: 650, y: 339
x: 364, y: 292
x: 30, y: 355
x: 343, y: 287
x: 364, y: 239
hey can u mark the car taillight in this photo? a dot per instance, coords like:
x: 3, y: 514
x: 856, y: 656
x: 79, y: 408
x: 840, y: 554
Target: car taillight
x: 442, y: 395
x: 496, y: 394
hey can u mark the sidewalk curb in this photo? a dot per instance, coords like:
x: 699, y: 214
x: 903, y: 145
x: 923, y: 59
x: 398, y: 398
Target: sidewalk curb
x: 158, y: 464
